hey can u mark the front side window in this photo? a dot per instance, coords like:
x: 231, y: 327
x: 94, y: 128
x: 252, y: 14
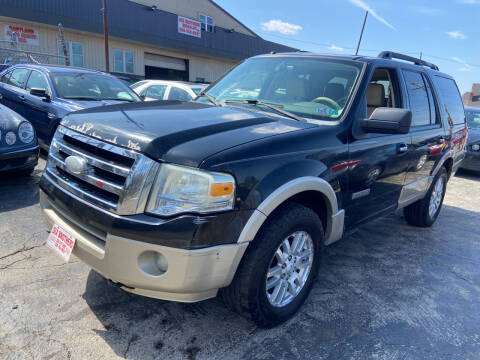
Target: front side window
x: 74, y: 53
x: 36, y: 80
x: 94, y: 87
x: 418, y: 97
x: 156, y: 92
x: 452, y: 100
x: 313, y: 88
x: 380, y: 90
x: 473, y: 119
x: 178, y: 94
x: 123, y: 61
x: 18, y: 77
x: 207, y: 23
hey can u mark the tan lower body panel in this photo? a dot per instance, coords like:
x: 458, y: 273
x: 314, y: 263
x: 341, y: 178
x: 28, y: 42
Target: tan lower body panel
x: 192, y: 275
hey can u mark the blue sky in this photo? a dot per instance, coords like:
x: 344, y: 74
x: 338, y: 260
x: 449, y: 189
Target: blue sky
x: 447, y: 32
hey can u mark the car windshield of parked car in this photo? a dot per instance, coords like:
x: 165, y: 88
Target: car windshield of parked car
x: 94, y: 87
x: 473, y: 119
x: 312, y: 88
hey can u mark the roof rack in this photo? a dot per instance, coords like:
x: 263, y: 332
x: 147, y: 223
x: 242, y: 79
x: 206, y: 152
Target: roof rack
x: 394, y: 55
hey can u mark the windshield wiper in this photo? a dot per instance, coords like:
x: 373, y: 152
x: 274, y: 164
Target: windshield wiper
x: 275, y: 107
x: 86, y: 98
x: 118, y: 99
x: 210, y: 97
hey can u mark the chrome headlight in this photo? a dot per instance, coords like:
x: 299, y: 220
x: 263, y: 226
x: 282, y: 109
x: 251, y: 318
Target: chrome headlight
x: 179, y: 189
x: 26, y: 132
x: 475, y: 147
x: 10, y: 138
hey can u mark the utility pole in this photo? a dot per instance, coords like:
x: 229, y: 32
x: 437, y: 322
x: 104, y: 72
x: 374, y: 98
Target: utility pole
x: 105, y: 34
x: 62, y: 43
x: 361, y: 34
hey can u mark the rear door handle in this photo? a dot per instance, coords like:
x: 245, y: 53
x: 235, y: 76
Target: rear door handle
x: 21, y: 97
x: 402, y: 148
x: 441, y: 140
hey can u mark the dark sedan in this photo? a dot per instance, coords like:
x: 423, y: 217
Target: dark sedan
x: 472, y: 158
x: 45, y: 94
x: 18, y: 144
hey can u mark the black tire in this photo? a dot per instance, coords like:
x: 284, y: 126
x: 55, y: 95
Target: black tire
x: 418, y: 214
x: 247, y: 293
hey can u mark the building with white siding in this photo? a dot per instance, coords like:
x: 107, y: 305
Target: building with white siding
x: 191, y: 40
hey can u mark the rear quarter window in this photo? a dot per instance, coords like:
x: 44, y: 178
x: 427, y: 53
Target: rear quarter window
x: 451, y: 99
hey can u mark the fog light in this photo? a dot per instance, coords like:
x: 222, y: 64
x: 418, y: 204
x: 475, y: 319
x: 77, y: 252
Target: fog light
x: 152, y: 263
x: 475, y: 147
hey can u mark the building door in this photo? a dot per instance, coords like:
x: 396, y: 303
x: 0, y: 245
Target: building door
x: 160, y: 67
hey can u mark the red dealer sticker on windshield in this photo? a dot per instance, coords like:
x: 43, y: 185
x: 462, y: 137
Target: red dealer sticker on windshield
x: 61, y: 241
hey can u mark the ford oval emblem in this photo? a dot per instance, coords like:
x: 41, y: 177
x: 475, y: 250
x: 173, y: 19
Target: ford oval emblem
x: 76, y: 164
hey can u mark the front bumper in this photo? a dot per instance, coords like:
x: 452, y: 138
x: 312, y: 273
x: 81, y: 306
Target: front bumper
x: 19, y: 159
x: 471, y: 161
x: 192, y: 275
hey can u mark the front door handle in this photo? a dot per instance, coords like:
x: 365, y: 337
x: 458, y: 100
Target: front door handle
x: 21, y: 97
x: 402, y: 148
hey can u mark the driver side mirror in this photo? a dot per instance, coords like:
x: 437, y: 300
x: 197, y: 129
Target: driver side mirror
x: 388, y: 121
x: 41, y: 93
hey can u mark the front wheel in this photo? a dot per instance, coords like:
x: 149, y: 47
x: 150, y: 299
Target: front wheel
x: 424, y: 212
x: 278, y: 270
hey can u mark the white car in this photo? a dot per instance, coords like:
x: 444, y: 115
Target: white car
x: 152, y: 90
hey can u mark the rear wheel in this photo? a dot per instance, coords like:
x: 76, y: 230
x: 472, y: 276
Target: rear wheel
x: 278, y: 270
x: 424, y: 212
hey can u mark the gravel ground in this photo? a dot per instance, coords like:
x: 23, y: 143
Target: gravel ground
x: 389, y: 291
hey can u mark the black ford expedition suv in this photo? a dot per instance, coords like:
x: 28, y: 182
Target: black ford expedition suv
x: 238, y: 192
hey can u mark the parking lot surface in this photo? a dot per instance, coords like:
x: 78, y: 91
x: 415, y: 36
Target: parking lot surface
x: 388, y: 291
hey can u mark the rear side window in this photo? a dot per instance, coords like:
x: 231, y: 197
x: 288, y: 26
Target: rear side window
x: 6, y: 77
x: 418, y: 98
x: 18, y: 77
x: 452, y: 100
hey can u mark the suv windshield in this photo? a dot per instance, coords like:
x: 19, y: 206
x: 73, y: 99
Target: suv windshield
x: 86, y: 86
x: 473, y: 119
x: 315, y: 88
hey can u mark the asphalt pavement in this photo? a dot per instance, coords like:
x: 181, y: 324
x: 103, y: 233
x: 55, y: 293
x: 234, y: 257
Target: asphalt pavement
x: 388, y: 291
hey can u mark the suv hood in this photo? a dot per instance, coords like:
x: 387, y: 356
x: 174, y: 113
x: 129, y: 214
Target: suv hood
x: 184, y: 133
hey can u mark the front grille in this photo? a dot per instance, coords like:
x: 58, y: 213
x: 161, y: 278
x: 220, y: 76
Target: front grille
x: 116, y: 179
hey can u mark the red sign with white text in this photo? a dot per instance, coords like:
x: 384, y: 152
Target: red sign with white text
x: 21, y: 35
x: 189, y: 27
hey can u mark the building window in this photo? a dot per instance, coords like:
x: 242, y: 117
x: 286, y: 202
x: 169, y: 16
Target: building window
x: 74, y: 53
x: 123, y: 61
x: 207, y: 23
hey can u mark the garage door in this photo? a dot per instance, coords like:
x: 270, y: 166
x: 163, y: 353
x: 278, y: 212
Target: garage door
x: 165, y: 62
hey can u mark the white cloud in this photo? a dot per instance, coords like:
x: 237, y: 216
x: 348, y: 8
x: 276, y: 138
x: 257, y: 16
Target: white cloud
x: 282, y: 27
x: 457, y: 35
x: 336, y: 48
x: 364, y: 6
x: 465, y: 66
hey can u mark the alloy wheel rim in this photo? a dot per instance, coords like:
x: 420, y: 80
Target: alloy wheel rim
x: 436, y: 197
x: 289, y: 268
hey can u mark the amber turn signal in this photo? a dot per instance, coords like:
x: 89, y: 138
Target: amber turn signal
x: 221, y: 189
